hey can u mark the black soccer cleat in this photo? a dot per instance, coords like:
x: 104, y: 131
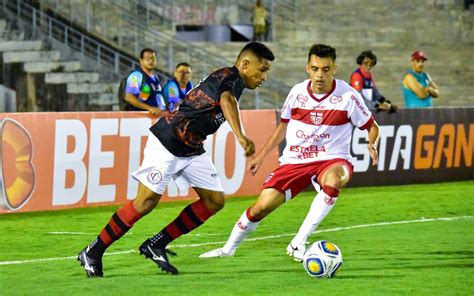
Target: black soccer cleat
x: 158, y: 256
x: 93, y: 267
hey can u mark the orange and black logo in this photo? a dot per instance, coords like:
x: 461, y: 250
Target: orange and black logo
x: 17, y: 173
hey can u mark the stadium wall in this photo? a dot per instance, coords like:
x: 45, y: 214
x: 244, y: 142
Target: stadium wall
x: 53, y: 161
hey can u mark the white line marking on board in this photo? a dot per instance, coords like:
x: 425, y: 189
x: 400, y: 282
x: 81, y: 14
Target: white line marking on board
x: 421, y: 220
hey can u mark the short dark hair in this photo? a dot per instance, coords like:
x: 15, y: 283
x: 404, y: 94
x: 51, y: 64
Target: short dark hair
x: 260, y: 50
x: 142, y: 53
x: 183, y: 64
x: 366, y: 54
x: 322, y: 51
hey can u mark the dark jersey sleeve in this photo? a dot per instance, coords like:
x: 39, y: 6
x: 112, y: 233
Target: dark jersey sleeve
x: 233, y: 84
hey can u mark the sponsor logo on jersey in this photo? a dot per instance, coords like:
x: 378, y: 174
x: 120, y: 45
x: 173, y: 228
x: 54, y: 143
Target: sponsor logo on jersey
x: 307, y: 152
x: 313, y: 137
x: 335, y: 99
x: 134, y: 81
x: 155, y: 176
x: 361, y: 108
x: 302, y: 99
x: 220, y: 119
x: 172, y: 92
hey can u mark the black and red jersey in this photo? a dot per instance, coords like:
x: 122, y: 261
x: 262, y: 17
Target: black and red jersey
x: 199, y: 115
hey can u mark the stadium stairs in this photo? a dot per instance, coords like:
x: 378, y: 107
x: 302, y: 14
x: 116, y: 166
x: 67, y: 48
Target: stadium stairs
x: 444, y: 30
x: 128, y: 26
x: 48, y: 79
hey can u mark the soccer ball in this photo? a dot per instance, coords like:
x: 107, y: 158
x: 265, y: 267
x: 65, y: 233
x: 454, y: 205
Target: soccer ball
x: 322, y: 259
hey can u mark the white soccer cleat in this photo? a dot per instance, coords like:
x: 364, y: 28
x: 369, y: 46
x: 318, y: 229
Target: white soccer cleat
x: 297, y: 252
x: 216, y: 253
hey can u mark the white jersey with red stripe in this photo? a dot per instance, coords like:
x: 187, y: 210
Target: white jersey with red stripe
x: 320, y: 126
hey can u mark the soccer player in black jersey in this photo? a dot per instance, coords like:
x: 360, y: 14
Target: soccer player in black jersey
x: 175, y: 150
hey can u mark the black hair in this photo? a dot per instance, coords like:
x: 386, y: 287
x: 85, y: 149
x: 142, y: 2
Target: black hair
x: 183, y: 64
x: 322, y: 51
x: 366, y: 54
x: 260, y: 50
x: 142, y: 53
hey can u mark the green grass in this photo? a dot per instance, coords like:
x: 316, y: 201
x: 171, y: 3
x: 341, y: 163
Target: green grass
x: 425, y: 258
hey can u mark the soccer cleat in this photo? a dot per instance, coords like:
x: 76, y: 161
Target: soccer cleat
x: 93, y: 267
x: 216, y: 253
x: 158, y: 256
x: 297, y: 252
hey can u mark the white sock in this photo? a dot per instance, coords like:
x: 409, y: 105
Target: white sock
x: 320, y: 207
x: 241, y: 230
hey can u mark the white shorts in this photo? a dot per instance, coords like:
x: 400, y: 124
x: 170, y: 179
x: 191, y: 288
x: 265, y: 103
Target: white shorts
x: 159, y: 166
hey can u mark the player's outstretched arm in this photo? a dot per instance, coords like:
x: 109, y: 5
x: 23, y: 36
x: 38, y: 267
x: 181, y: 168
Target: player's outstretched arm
x: 373, y: 142
x: 275, y: 139
x: 230, y: 108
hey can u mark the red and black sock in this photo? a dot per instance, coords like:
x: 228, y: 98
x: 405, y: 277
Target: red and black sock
x: 119, y: 224
x: 190, y: 218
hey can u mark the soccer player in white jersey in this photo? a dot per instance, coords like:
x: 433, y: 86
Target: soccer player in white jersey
x: 317, y: 121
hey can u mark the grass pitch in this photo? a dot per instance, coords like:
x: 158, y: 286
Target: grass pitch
x: 397, y: 240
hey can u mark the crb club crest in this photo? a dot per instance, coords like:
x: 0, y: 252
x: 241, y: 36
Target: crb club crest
x: 302, y: 99
x: 316, y: 117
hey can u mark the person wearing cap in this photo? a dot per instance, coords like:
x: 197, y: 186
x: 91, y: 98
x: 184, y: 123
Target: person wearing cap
x: 418, y: 87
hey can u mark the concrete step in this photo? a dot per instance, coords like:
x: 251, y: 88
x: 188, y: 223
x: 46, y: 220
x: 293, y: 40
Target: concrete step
x: 105, y: 99
x: 74, y: 77
x: 27, y: 45
x: 44, y: 67
x: 91, y: 88
x: 31, y: 56
x: 3, y: 25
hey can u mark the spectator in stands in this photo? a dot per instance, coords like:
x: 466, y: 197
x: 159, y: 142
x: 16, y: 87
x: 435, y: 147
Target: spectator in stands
x: 143, y: 88
x: 418, y: 87
x: 364, y: 83
x: 259, y: 16
x: 176, y: 88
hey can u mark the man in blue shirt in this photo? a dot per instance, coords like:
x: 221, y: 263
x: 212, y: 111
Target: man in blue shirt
x: 176, y: 88
x: 143, y: 88
x: 418, y: 87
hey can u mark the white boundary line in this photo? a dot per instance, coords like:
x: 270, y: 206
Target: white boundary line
x: 421, y: 220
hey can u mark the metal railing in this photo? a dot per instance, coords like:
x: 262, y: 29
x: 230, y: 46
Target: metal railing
x: 102, y: 54
x: 121, y: 23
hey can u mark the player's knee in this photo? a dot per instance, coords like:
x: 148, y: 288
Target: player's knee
x: 145, y: 206
x: 337, y: 178
x: 216, y: 203
x: 259, y: 212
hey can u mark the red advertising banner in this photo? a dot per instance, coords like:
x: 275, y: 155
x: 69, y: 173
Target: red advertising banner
x: 54, y: 161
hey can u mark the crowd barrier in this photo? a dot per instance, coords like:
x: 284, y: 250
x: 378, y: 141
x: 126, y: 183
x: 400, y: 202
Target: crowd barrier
x: 417, y: 146
x: 53, y: 161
